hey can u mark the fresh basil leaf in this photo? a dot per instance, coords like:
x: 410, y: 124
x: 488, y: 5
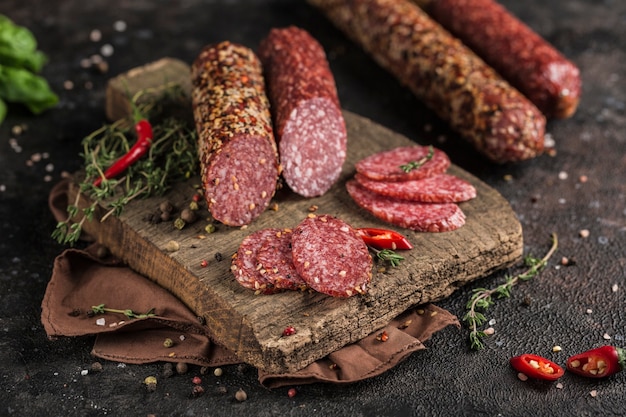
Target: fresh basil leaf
x: 18, y: 47
x: 3, y: 110
x: 22, y: 86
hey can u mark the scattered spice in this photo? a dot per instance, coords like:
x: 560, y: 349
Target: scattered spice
x: 172, y: 246
x: 168, y: 343
x: 584, y: 233
x: 204, y: 263
x: 151, y: 383
x: 197, y: 391
x: 218, y: 372
x: 101, y: 309
x: 556, y: 348
x: 241, y: 395
x: 168, y: 370
x: 182, y: 368
x: 196, y: 380
x: 292, y: 392
x: 289, y: 331
x: 382, y: 337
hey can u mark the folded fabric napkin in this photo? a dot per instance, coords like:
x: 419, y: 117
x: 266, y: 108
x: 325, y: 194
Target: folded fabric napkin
x: 81, y: 279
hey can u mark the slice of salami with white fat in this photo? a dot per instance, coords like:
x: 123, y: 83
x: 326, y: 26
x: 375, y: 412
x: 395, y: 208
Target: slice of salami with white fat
x: 439, y: 188
x: 418, y: 162
x: 310, y: 129
x: 330, y: 256
x: 421, y: 217
x: 276, y: 262
x: 245, y: 266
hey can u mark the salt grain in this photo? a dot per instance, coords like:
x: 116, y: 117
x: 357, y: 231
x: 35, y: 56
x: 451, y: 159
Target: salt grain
x: 522, y: 376
x: 3, y: 188
x: 68, y: 84
x: 589, y: 311
x: 583, y: 179
x: 556, y: 348
x: 95, y: 35
x: 559, y: 386
x: 84, y: 372
x: 489, y: 331
x: 119, y: 26
x: 606, y: 336
x: 614, y: 288
x: 107, y: 50
x: 101, y: 321
x: 563, y: 175
x: 584, y: 233
x: 593, y: 393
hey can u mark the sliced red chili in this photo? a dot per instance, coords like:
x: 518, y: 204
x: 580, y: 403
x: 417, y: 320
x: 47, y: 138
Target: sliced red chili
x: 598, y: 363
x: 384, y: 239
x: 143, y: 129
x: 537, y: 367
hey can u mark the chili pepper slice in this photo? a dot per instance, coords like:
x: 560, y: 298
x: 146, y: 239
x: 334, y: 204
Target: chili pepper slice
x: 537, y: 367
x: 598, y: 363
x: 143, y: 129
x: 383, y: 239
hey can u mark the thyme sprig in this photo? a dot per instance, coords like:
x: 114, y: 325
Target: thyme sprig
x: 388, y: 255
x: 101, y: 309
x: 171, y: 158
x: 417, y: 164
x: 483, y: 298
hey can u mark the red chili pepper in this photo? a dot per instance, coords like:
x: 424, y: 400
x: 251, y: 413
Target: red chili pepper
x: 598, y: 363
x: 143, y: 128
x: 383, y: 238
x: 534, y: 366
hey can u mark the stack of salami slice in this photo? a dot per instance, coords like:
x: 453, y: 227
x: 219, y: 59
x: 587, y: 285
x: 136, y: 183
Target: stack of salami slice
x: 322, y: 253
x: 409, y: 187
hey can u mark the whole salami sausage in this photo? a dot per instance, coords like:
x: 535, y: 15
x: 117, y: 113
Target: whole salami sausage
x: 495, y: 117
x: 513, y: 49
x: 310, y: 129
x: 236, y: 146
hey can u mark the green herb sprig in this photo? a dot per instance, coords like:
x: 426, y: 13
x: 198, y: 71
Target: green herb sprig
x: 417, y: 164
x: 171, y: 158
x: 101, y: 309
x: 388, y: 255
x: 483, y: 298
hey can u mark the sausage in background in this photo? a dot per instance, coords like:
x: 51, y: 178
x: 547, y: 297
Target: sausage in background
x: 464, y: 91
x: 519, y: 54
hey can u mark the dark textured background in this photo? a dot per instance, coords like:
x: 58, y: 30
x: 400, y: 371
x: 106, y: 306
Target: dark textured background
x: 41, y: 377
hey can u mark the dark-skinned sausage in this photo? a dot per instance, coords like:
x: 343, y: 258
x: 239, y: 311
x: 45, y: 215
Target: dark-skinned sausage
x: 464, y: 91
x: 512, y: 48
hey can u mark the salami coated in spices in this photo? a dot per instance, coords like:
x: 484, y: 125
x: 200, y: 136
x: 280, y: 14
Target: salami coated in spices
x: 276, y: 262
x: 310, y: 129
x: 420, y: 162
x: 245, y: 266
x: 441, y: 188
x: 495, y: 117
x: 513, y: 49
x: 421, y: 217
x: 331, y: 257
x: 238, y: 154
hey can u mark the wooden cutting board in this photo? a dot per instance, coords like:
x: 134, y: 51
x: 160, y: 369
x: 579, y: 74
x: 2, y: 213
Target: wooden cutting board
x: 251, y: 325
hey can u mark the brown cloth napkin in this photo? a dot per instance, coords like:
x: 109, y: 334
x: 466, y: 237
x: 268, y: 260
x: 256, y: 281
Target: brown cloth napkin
x: 80, y: 279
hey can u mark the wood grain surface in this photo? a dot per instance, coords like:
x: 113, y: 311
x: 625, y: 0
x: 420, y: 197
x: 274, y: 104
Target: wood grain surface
x: 251, y: 325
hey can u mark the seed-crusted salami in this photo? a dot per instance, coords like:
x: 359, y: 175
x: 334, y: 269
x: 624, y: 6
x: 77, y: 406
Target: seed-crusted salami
x: 495, y: 117
x: 238, y: 154
x: 387, y: 165
x: 310, y: 129
x: 441, y: 188
x: 330, y: 256
x: 276, y: 262
x: 513, y: 49
x: 245, y: 266
x: 421, y: 217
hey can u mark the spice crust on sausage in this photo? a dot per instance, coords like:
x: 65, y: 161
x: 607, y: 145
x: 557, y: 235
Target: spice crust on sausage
x: 237, y: 150
x: 518, y: 53
x: 495, y: 117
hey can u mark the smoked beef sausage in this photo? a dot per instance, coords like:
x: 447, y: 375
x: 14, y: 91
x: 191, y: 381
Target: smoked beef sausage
x: 236, y: 146
x: 495, y: 117
x: 513, y: 49
x: 310, y: 129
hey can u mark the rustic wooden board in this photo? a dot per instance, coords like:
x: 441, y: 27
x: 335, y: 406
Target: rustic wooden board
x: 251, y: 325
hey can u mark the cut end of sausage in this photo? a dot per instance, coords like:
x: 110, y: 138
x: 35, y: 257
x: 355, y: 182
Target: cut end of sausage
x: 241, y: 180
x: 313, y: 147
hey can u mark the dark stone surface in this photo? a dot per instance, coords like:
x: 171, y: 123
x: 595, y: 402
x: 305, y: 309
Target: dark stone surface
x: 42, y: 377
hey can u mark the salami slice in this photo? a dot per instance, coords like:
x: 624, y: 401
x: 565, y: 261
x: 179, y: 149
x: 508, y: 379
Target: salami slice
x: 421, y: 217
x: 236, y: 146
x: 310, y: 129
x: 440, y: 188
x: 245, y: 266
x: 330, y: 256
x: 386, y: 166
x: 276, y: 261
